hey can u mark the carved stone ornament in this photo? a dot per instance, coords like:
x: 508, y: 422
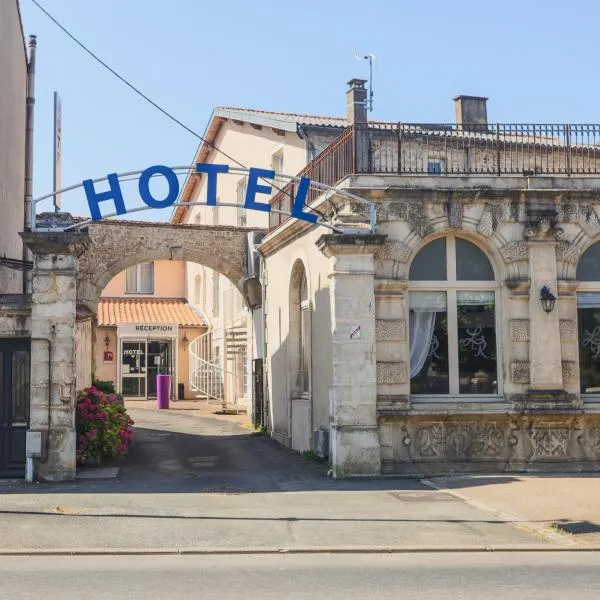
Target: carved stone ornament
x: 392, y: 373
x: 515, y: 252
x: 568, y: 329
x: 567, y: 252
x: 549, y: 442
x: 569, y: 371
x: 460, y: 441
x: 519, y: 372
x: 519, y: 330
x: 455, y: 214
x: 594, y: 437
x: 390, y: 330
x: 394, y: 250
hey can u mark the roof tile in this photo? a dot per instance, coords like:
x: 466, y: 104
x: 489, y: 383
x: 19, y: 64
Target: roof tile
x: 114, y: 311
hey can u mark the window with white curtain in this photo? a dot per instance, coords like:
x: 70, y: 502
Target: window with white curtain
x: 452, y: 320
x: 588, y: 320
x: 139, y: 279
x: 242, y: 186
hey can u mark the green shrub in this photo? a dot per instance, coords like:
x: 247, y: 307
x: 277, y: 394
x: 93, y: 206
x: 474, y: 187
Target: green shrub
x: 108, y: 387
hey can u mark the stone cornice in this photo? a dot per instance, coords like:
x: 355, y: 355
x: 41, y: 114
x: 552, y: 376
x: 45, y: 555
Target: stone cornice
x: 56, y: 242
x: 334, y: 244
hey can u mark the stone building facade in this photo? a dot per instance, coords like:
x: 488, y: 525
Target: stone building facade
x: 461, y: 333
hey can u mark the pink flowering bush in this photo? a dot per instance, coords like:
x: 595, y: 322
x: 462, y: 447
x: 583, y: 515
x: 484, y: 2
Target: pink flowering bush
x: 104, y: 429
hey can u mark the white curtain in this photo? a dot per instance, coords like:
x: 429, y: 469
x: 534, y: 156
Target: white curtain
x: 421, y: 326
x: 423, y: 308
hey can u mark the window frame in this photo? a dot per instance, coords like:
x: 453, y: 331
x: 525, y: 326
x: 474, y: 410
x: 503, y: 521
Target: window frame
x: 138, y: 279
x: 451, y: 286
x: 594, y: 287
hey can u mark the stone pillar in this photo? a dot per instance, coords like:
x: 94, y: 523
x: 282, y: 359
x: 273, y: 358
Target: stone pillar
x: 544, y: 343
x: 53, y: 304
x: 354, y: 436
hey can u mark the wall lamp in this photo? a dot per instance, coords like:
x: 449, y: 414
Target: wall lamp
x: 185, y: 341
x: 548, y: 299
x: 107, y: 341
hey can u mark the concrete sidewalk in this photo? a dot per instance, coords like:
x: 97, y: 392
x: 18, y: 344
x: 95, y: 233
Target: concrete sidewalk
x: 566, y: 506
x: 282, y: 521
x: 197, y: 484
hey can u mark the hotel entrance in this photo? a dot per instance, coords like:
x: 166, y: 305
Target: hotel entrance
x: 142, y: 359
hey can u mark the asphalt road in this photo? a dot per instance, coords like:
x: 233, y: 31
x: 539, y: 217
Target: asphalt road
x: 340, y: 576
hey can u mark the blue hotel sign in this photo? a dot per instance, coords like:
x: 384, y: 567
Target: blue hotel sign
x: 212, y: 172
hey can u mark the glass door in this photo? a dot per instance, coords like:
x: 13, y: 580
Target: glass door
x: 133, y: 368
x: 159, y: 363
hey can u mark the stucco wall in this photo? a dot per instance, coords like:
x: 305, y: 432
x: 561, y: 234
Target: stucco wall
x: 279, y: 269
x: 13, y: 89
x: 169, y: 282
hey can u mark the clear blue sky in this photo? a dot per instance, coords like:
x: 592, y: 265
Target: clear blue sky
x: 536, y: 61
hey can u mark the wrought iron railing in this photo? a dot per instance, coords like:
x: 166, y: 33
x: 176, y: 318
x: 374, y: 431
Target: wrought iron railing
x: 440, y: 149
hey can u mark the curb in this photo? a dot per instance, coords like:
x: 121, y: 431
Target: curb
x: 191, y: 551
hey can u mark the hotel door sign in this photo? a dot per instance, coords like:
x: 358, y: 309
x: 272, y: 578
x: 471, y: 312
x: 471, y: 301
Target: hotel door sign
x: 108, y: 356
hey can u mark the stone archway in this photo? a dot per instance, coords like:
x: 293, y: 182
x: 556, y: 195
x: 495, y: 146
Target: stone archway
x: 116, y: 245
x: 72, y: 268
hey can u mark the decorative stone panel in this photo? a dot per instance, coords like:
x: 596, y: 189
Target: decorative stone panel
x: 394, y: 250
x: 519, y: 330
x: 460, y: 441
x: 390, y: 330
x: 519, y: 372
x: 568, y: 330
x: 569, y: 371
x: 396, y: 372
x: 549, y: 442
x: 515, y: 251
x: 567, y: 252
x: 455, y: 215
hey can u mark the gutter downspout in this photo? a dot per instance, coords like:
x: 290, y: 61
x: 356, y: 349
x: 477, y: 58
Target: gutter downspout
x: 29, y: 209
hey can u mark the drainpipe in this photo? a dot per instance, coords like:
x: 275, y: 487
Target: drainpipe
x: 29, y: 209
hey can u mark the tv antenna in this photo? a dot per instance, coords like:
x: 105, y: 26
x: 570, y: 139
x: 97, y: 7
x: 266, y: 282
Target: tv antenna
x: 371, y: 59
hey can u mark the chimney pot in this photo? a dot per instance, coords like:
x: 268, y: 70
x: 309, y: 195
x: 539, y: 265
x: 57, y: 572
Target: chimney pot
x: 356, y: 101
x: 471, y: 112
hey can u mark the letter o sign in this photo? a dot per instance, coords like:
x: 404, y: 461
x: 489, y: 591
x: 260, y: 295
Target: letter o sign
x: 144, y: 186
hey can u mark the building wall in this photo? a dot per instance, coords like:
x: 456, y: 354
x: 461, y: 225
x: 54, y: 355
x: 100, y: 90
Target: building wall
x: 279, y: 346
x: 107, y: 371
x: 13, y: 91
x: 169, y: 282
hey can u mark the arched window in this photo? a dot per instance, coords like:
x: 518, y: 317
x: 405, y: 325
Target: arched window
x: 452, y: 325
x: 588, y: 320
x: 299, y: 348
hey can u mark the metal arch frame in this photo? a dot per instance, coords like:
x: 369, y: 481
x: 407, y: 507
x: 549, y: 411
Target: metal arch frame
x: 185, y: 170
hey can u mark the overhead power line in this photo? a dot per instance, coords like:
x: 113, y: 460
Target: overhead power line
x: 165, y: 112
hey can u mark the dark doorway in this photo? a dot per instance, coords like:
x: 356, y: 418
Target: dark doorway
x: 14, y: 405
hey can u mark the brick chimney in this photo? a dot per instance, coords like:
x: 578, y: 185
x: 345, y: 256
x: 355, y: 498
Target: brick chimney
x: 471, y: 112
x: 356, y: 101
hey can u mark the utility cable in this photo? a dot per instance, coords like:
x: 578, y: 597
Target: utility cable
x: 165, y: 112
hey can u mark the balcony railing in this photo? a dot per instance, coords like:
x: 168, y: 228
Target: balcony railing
x: 437, y: 149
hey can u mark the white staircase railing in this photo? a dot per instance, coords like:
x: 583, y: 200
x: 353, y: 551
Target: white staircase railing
x: 209, y: 379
